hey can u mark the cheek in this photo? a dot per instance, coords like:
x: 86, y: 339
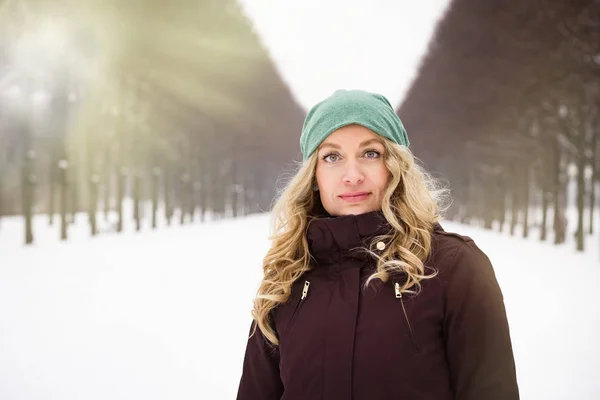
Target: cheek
x: 381, y: 177
x: 324, y: 177
x: 328, y: 184
x: 319, y: 176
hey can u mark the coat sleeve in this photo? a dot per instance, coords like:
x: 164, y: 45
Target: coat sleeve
x: 260, y: 372
x: 476, y: 331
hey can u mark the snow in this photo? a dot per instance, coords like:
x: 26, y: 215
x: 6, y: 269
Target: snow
x: 165, y: 314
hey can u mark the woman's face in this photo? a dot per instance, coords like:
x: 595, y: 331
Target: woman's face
x: 351, y: 174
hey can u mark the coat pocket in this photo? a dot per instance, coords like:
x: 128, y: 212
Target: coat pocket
x: 299, y: 303
x: 409, y: 326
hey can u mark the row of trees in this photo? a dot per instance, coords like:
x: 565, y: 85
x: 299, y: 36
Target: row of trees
x: 178, y: 105
x: 174, y: 104
x: 507, y: 107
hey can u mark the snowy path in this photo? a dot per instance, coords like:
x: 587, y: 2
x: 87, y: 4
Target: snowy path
x: 165, y: 314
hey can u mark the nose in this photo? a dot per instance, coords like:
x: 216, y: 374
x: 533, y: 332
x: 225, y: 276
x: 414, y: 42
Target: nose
x: 353, y: 175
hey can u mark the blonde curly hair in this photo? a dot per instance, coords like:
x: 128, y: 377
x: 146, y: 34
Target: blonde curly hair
x: 413, y: 202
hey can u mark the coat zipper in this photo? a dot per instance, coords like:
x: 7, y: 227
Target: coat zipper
x: 304, y: 294
x: 305, y: 290
x: 412, y: 333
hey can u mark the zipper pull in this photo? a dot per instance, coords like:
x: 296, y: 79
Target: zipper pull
x: 398, y: 291
x: 305, y: 290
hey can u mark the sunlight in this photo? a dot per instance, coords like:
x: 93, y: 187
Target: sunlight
x: 42, y: 49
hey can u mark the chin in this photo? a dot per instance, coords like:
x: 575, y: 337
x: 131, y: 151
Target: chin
x: 357, y: 210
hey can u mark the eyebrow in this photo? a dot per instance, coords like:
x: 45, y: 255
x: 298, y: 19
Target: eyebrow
x: 362, y: 144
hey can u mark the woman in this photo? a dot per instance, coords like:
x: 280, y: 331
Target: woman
x: 365, y: 296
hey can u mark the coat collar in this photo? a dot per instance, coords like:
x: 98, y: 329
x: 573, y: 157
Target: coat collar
x: 331, y: 239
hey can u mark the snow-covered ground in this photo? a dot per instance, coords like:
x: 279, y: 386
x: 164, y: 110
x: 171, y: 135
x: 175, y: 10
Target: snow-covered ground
x: 165, y: 314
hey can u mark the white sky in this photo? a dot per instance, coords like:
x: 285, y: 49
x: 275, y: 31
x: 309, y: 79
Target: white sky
x: 324, y: 45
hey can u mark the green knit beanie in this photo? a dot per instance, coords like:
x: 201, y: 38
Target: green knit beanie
x: 346, y: 107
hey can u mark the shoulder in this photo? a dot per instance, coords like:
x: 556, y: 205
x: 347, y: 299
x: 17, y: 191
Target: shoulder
x: 454, y: 253
x: 446, y: 245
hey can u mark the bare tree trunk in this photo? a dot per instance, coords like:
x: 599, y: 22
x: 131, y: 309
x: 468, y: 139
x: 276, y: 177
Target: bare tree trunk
x: 546, y: 177
x: 181, y: 197
x: 235, y: 200
x: 234, y: 185
x: 255, y: 195
x: 204, y: 184
x: 155, y: 186
x: 526, y: 181
x: 52, y: 192
x: 593, y: 181
x: 107, y: 182
x: 488, y: 212
x: 218, y: 195
x: 122, y: 143
x: 592, y: 202
x: 579, y: 237
x: 167, y: 184
x: 194, y: 197
x: 514, y: 202
x: 471, y: 196
x: 247, y: 194
x: 93, y: 205
x: 265, y: 193
x: 545, y: 202
x: 559, y: 197
x: 28, y: 181
x: 122, y: 173
x: 64, y: 197
x: 136, y: 200
x: 73, y: 187
x: 1, y: 199
x: 502, y: 204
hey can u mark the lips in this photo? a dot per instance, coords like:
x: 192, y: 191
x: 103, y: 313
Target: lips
x: 354, y: 197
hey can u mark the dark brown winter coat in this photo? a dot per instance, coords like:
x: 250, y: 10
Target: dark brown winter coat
x: 341, y: 342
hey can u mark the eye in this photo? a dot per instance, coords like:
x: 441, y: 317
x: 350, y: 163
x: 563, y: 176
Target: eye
x: 372, y: 154
x: 331, y: 157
